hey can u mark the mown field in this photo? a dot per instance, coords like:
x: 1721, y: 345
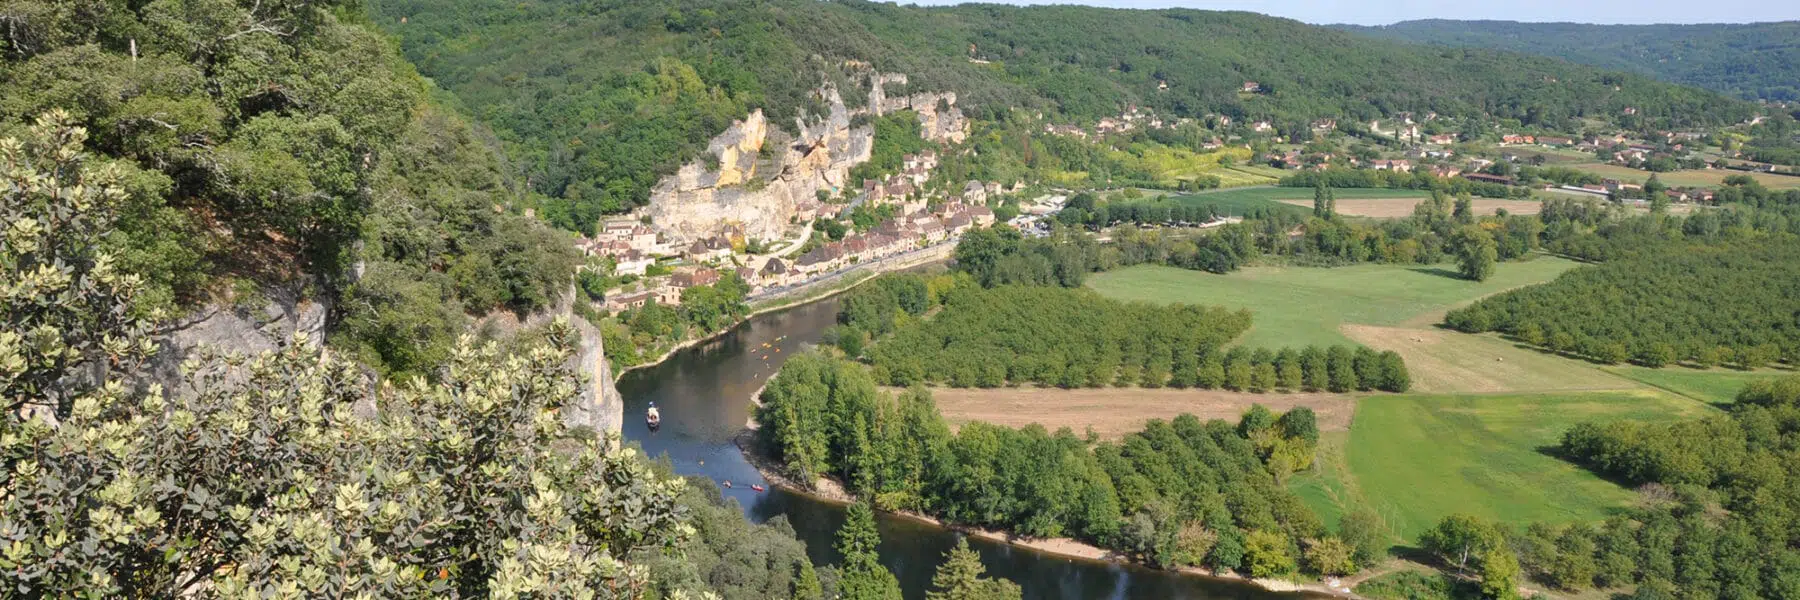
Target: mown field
x: 1713, y: 386
x: 1297, y: 306
x: 1239, y: 201
x: 1686, y: 178
x: 1415, y: 459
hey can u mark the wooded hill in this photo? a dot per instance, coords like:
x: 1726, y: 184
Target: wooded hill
x: 1750, y: 60
x: 285, y: 145
x: 598, y: 99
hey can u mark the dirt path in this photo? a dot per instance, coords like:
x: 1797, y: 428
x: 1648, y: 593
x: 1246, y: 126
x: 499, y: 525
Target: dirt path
x: 1116, y: 412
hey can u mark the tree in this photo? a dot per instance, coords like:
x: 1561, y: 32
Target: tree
x: 1500, y: 574
x: 1657, y: 355
x: 1458, y: 538
x: 1267, y: 554
x: 1330, y: 202
x: 1363, y: 531
x: 1321, y: 207
x: 1476, y: 252
x: 959, y: 578
x: 1465, y: 209
x: 74, y: 309
x: 863, y: 576
x: 1330, y: 556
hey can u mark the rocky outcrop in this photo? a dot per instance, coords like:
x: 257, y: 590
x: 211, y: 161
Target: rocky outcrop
x: 939, y: 118
x: 698, y: 202
x: 267, y: 326
x: 599, y: 407
x: 731, y: 189
x: 273, y: 325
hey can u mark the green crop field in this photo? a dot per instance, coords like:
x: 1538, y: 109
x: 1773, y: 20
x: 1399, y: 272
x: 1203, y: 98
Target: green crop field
x: 1415, y: 459
x: 1296, y: 306
x: 1714, y: 386
x: 1238, y: 201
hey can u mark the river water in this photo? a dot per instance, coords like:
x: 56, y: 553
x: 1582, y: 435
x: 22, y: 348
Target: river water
x: 704, y: 395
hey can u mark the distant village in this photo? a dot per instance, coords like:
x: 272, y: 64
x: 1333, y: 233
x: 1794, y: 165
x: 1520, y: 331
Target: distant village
x: 656, y: 270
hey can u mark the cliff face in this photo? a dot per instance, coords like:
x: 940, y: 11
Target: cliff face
x: 939, y: 118
x: 600, y: 406
x: 246, y: 332
x: 236, y: 330
x: 699, y: 202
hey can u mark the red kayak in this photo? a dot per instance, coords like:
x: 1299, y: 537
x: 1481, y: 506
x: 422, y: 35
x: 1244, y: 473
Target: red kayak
x: 757, y: 488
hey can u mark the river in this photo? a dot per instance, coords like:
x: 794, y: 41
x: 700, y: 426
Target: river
x: 704, y: 395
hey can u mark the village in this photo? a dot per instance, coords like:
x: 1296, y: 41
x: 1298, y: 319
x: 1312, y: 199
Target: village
x: 650, y: 267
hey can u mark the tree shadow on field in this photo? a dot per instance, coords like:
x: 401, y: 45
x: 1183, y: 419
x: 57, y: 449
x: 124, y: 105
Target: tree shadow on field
x: 1438, y: 271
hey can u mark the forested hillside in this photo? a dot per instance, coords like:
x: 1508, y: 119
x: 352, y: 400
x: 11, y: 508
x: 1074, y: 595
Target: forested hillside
x: 597, y: 100
x: 270, y: 144
x: 1752, y: 60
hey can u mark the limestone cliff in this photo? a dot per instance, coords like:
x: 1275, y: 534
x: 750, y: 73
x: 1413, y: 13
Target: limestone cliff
x: 600, y: 406
x: 731, y: 189
x: 263, y: 327
x: 699, y: 202
x: 939, y: 118
x: 249, y: 331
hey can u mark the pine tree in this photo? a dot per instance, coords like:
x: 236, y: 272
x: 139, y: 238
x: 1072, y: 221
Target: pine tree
x: 864, y: 577
x: 959, y: 578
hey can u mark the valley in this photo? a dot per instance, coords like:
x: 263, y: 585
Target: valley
x: 855, y: 300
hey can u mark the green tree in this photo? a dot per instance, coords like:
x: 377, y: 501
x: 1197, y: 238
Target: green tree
x: 1476, y: 252
x: 863, y: 577
x: 1457, y: 539
x: 1367, y: 537
x: 1500, y: 574
x: 1330, y: 556
x: 69, y: 307
x: 1267, y: 554
x: 1320, y: 205
x: 960, y: 578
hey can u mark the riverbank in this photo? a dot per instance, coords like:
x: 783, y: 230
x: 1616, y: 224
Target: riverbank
x: 830, y: 491
x: 809, y: 292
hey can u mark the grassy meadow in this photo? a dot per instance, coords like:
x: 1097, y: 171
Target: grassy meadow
x: 1712, y: 386
x: 1239, y: 201
x: 1297, y: 306
x: 1415, y: 459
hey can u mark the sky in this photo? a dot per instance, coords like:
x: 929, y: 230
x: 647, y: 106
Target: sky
x: 1367, y: 12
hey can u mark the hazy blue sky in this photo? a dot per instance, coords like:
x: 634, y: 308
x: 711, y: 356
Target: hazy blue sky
x: 1381, y: 13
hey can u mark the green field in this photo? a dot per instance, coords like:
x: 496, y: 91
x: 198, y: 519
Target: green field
x: 1416, y: 459
x: 1238, y: 201
x: 1715, y: 386
x: 1296, y: 306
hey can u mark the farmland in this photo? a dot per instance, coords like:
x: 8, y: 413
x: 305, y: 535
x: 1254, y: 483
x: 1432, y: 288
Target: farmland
x: 1113, y: 413
x: 1300, y: 306
x: 1713, y: 386
x: 1240, y: 201
x: 1391, y: 207
x: 1687, y: 177
x: 1417, y: 458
